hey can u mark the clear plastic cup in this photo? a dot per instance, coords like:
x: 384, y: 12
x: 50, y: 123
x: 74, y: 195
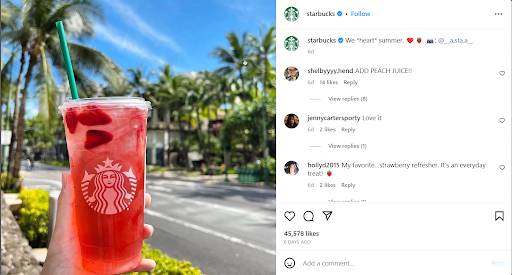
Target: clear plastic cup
x: 106, y: 140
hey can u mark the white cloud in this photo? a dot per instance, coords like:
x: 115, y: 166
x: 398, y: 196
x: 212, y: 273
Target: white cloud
x: 134, y: 20
x: 112, y: 36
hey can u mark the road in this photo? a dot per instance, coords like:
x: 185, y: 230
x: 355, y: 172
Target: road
x: 220, y: 229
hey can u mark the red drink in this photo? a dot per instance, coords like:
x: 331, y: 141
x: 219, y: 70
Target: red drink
x: 106, y: 140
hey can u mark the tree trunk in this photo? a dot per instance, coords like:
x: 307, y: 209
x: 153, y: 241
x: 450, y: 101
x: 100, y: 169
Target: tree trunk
x: 198, y: 122
x: 264, y: 117
x: 225, y: 106
x: 16, y: 112
x: 182, y: 139
x: 21, y: 120
x: 243, y: 86
x: 168, y: 130
x: 185, y: 145
x: 208, y: 142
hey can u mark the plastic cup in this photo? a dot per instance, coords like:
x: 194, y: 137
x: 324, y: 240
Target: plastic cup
x: 106, y: 140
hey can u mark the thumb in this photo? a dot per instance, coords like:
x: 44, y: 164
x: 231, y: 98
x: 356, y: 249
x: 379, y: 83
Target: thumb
x: 65, y: 203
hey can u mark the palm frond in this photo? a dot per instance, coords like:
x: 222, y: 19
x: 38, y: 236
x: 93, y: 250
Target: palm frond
x: 85, y: 58
x: 11, y: 16
x: 78, y: 17
x: 6, y: 76
x: 47, y: 89
x: 16, y: 36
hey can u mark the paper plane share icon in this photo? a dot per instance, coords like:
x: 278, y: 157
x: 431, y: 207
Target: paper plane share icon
x: 327, y: 214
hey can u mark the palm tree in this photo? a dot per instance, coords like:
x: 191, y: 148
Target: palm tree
x: 227, y: 88
x: 164, y: 97
x: 196, y: 92
x: 14, y: 35
x: 138, y: 81
x: 198, y: 86
x: 265, y: 46
x: 38, y: 38
x: 235, y: 57
x: 212, y: 101
x: 6, y: 81
x: 117, y: 86
x: 265, y: 49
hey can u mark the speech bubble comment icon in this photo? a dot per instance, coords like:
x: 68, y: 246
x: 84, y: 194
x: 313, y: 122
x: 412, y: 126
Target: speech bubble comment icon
x: 308, y: 216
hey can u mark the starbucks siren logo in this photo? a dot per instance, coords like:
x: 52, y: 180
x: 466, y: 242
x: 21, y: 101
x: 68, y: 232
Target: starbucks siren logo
x: 291, y: 14
x: 291, y: 43
x: 108, y: 192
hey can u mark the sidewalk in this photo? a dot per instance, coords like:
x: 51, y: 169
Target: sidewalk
x: 215, y: 179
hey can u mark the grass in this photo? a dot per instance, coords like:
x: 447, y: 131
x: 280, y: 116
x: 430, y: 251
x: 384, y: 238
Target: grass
x: 12, y: 190
x: 184, y: 172
x: 150, y: 168
x: 63, y: 163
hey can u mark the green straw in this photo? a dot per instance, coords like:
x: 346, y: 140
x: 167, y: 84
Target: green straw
x: 67, y: 59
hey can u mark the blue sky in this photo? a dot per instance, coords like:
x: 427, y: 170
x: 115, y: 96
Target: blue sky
x: 183, y: 33
x: 149, y: 34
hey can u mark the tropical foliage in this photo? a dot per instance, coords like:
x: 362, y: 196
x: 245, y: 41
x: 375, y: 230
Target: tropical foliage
x: 32, y: 31
x: 33, y: 216
x: 166, y: 265
x: 227, y: 112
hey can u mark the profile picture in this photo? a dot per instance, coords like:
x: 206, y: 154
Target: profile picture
x: 291, y: 43
x: 291, y: 168
x: 291, y: 14
x: 291, y: 73
x: 291, y: 121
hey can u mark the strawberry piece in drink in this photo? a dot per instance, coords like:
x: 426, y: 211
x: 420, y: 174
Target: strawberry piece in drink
x: 95, y: 138
x: 91, y: 116
x: 71, y: 119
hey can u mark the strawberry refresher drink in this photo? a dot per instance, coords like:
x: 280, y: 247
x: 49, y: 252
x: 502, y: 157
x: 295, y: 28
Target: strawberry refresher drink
x: 106, y: 140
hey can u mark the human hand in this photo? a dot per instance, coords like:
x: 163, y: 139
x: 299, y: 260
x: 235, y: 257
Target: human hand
x: 64, y: 256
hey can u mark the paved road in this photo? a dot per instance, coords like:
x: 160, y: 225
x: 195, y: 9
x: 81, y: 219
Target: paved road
x: 220, y: 229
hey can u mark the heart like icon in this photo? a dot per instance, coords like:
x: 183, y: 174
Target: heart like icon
x: 502, y: 120
x: 410, y: 40
x: 289, y: 215
x: 502, y: 167
x: 502, y: 73
x: 419, y: 40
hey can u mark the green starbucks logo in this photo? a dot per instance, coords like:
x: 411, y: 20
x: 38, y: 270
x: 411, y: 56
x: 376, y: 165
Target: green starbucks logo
x: 291, y: 14
x: 291, y: 43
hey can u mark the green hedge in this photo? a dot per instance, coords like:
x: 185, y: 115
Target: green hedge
x: 165, y: 265
x: 9, y: 183
x: 270, y: 162
x: 33, y: 216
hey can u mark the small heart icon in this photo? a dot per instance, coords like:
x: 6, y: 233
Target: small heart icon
x: 502, y: 73
x: 289, y: 215
x: 502, y: 167
x: 410, y: 40
x: 502, y: 120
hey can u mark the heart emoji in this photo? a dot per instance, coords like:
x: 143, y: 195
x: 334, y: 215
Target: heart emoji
x: 329, y: 173
x: 289, y: 215
x: 419, y: 40
x: 502, y: 120
x: 410, y: 40
x: 502, y: 167
x: 502, y: 73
